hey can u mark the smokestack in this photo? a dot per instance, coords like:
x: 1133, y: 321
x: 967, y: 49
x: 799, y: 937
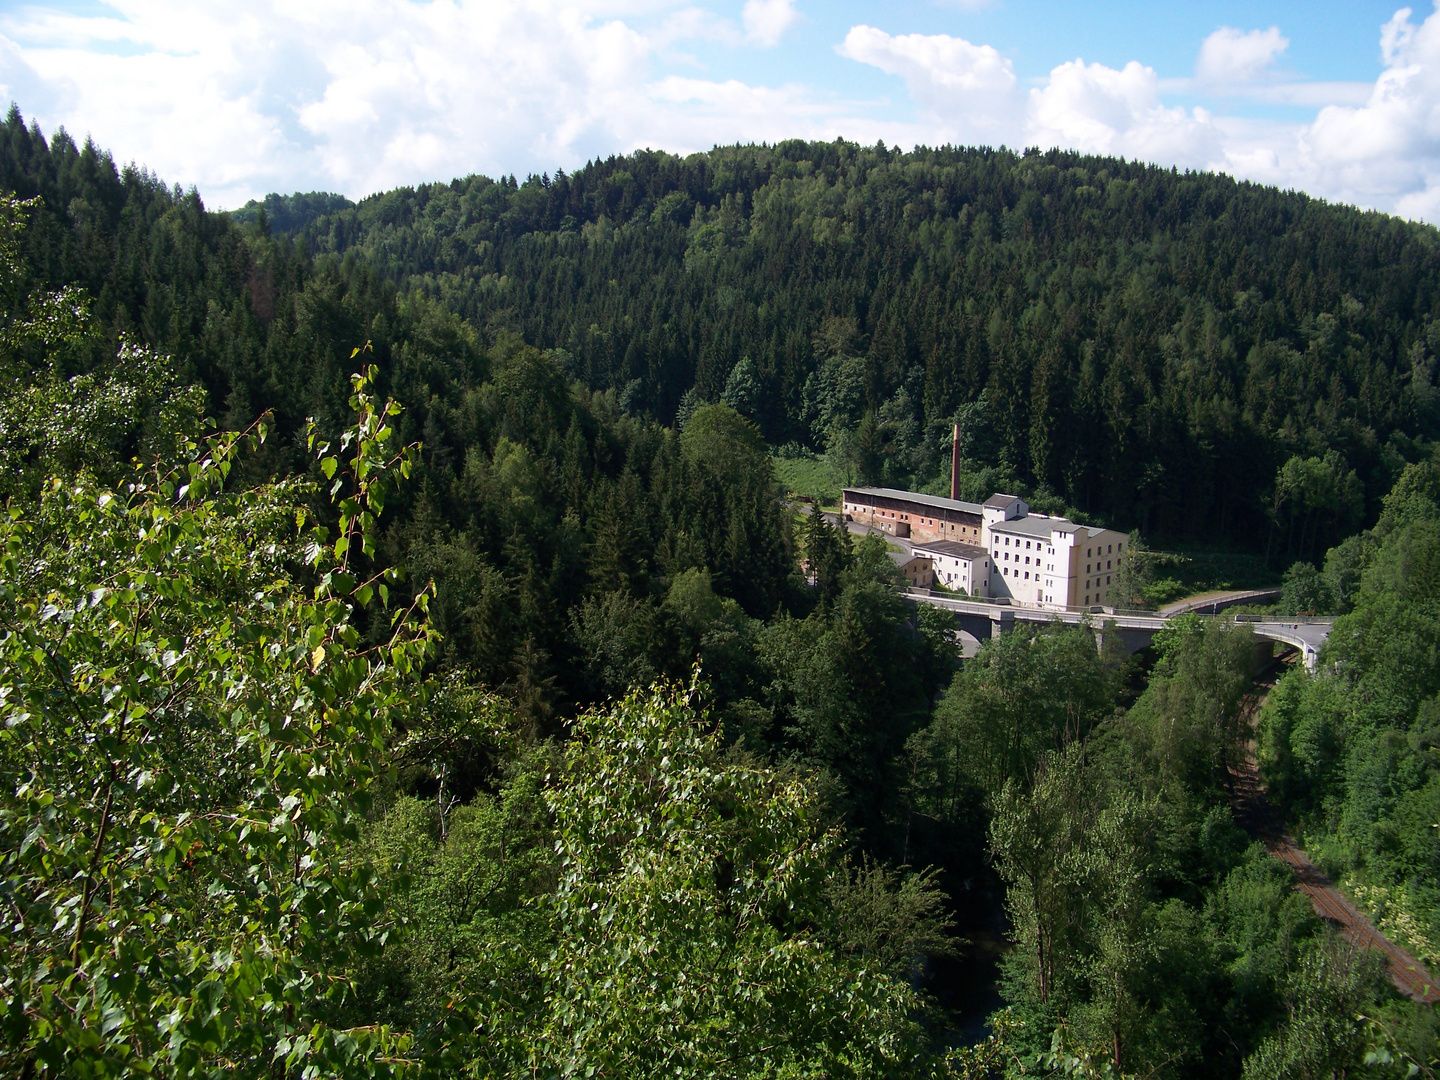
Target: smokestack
x: 955, y: 465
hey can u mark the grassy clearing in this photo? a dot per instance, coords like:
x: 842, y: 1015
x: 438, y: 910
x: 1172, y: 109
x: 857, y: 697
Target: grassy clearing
x: 816, y: 478
x: 1180, y: 574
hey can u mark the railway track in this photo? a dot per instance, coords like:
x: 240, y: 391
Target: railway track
x: 1254, y: 813
x: 1406, y: 972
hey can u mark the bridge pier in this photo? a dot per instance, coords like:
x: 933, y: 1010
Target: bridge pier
x: 982, y: 621
x: 1132, y: 638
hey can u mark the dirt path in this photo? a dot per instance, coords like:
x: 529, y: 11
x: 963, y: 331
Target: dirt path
x: 1257, y: 817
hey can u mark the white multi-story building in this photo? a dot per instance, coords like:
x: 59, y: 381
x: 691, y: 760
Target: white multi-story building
x: 1007, y: 551
x: 1048, y: 561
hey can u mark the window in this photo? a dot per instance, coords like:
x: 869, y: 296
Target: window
x: 1087, y: 553
x: 1087, y: 598
x: 1027, y: 575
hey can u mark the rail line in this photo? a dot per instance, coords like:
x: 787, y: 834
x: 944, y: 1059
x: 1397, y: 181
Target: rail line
x: 1408, y: 974
x: 1253, y: 810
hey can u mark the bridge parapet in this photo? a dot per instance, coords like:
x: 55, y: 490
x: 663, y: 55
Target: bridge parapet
x: 981, y: 619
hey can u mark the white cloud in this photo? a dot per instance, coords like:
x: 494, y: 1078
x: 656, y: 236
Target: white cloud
x: 243, y: 97
x: 21, y: 82
x: 1229, y: 56
x: 767, y: 20
x: 1376, y: 145
x: 969, y: 92
x: 1104, y: 111
x: 1387, y: 151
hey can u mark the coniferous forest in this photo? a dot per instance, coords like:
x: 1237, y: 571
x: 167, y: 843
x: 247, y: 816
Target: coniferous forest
x: 411, y: 666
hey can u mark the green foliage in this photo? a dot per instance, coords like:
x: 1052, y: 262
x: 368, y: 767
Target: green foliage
x: 1189, y: 722
x: 459, y: 884
x: 649, y: 897
x: 286, y: 213
x: 1134, y: 575
x: 1024, y: 693
x: 828, y: 554
x: 894, y: 921
x: 815, y: 477
x: 129, y: 404
x: 1305, y: 592
x: 1075, y: 871
x: 1320, y: 495
x: 1350, y: 750
x: 188, y: 727
x: 1325, y: 1034
x: 742, y: 388
x: 692, y: 920
x: 1134, y: 359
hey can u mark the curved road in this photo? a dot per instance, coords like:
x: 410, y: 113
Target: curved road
x: 1305, y: 635
x: 1212, y: 602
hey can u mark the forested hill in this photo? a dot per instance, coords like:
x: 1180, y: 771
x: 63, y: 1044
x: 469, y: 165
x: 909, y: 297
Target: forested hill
x: 1178, y: 352
x: 488, y: 720
x: 1152, y: 345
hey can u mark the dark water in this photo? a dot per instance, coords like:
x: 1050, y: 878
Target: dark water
x: 967, y: 986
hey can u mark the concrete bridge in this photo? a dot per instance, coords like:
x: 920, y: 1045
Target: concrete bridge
x: 1136, y: 629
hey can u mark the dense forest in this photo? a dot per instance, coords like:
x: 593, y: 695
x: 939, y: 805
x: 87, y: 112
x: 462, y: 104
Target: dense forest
x: 406, y: 664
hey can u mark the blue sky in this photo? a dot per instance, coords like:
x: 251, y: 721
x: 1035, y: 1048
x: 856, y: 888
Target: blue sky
x: 242, y: 98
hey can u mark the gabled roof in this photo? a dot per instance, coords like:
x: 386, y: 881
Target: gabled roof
x: 952, y: 548
x: 1000, y: 502
x: 935, y: 501
x: 903, y: 559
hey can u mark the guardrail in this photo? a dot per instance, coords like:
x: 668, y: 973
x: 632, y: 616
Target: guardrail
x: 1004, y: 603
x: 1296, y: 620
x: 1102, y: 612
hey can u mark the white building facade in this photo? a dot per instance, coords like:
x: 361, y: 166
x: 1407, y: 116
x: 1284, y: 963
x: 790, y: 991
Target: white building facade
x: 1051, y: 562
x: 962, y: 568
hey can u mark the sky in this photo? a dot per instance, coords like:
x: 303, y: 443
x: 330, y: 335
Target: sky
x: 1339, y: 99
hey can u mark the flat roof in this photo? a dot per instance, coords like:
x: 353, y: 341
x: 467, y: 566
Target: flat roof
x: 953, y: 548
x: 915, y: 497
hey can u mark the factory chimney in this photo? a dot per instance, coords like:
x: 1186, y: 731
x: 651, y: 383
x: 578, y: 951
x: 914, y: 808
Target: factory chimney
x: 955, y: 464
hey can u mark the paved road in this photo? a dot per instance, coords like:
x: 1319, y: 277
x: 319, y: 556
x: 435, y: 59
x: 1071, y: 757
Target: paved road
x: 1305, y: 636
x: 1213, y: 601
x: 1254, y: 813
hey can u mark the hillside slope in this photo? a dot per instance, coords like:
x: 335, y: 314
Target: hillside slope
x: 1207, y: 360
